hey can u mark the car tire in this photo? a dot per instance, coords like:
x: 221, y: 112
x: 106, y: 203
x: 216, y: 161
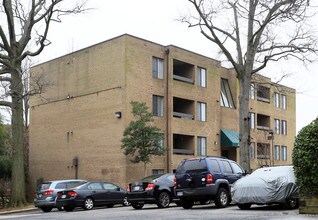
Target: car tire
x: 126, y: 202
x: 186, y: 203
x: 69, y: 208
x: 244, y: 206
x: 222, y: 198
x: 46, y: 209
x: 137, y: 205
x: 163, y: 200
x: 291, y: 203
x: 60, y: 208
x: 88, y: 203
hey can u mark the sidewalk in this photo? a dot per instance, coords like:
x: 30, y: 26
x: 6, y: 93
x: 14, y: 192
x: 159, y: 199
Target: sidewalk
x: 17, y: 209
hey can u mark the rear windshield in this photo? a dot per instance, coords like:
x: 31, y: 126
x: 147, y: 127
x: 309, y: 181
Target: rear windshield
x: 45, y: 186
x: 192, y: 166
x: 150, y: 178
x: 67, y: 185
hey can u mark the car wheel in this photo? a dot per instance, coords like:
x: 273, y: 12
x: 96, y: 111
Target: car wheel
x: 60, y: 208
x: 163, y: 200
x: 137, y: 206
x: 291, y: 203
x: 69, y: 208
x: 222, y: 198
x: 88, y: 203
x: 110, y: 206
x: 186, y: 203
x: 244, y: 206
x: 125, y: 201
x: 46, y: 209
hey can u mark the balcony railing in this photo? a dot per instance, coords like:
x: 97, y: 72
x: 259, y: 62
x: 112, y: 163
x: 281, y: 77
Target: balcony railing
x: 183, y: 115
x: 183, y: 151
x: 265, y: 128
x: 183, y: 79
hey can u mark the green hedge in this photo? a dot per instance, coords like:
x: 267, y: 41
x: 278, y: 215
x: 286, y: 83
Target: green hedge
x: 305, y: 159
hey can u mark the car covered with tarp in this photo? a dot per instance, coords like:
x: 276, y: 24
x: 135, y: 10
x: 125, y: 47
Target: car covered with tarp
x: 267, y: 186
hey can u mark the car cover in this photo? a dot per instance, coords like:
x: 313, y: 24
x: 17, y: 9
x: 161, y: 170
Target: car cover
x: 265, y: 186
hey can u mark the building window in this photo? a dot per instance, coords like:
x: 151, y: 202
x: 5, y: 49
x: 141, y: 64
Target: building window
x: 201, y: 143
x: 284, y: 127
x: 263, y: 151
x: 157, y: 105
x: 201, y: 77
x: 276, y: 126
x: 252, y: 151
x: 157, y: 171
x: 283, y: 102
x: 252, y: 91
x: 201, y: 111
x: 252, y: 120
x: 276, y: 100
x: 276, y: 152
x: 226, y: 95
x: 157, y: 68
x: 284, y: 153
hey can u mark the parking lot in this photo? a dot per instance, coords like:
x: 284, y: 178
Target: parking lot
x: 174, y: 212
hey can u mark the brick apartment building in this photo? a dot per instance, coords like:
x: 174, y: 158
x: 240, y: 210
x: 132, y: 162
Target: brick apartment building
x: 76, y: 125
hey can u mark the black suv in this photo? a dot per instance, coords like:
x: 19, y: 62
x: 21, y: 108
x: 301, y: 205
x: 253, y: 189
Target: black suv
x: 205, y: 179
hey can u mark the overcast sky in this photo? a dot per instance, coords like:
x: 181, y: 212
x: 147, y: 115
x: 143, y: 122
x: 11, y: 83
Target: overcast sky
x: 156, y: 21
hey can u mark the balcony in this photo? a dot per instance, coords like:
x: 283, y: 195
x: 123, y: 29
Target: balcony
x: 263, y: 122
x: 183, y: 72
x: 183, y: 144
x: 263, y: 94
x: 183, y: 108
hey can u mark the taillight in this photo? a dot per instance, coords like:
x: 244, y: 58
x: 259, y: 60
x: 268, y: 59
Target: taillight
x: 128, y: 188
x: 209, y: 178
x: 72, y: 193
x: 150, y: 186
x: 48, y: 192
x: 175, y: 182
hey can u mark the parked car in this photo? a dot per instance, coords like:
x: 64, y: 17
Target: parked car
x: 90, y: 195
x: 206, y: 179
x: 155, y: 189
x: 266, y: 186
x: 45, y: 194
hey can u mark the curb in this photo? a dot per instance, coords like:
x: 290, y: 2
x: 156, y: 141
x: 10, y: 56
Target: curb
x: 17, y: 211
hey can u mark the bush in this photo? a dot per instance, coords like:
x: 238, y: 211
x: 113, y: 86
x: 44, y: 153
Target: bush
x: 305, y: 159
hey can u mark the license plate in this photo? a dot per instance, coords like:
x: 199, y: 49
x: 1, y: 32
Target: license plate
x: 136, y: 188
x: 63, y: 196
x: 179, y: 193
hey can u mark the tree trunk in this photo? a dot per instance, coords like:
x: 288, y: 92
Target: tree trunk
x: 18, y: 172
x: 244, y: 126
x: 145, y: 169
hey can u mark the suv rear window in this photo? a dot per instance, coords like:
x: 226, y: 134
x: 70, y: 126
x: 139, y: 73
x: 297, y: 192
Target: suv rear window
x: 192, y: 166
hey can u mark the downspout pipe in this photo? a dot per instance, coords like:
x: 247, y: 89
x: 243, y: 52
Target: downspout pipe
x: 167, y: 52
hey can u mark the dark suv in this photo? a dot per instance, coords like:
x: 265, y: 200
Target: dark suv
x: 205, y: 179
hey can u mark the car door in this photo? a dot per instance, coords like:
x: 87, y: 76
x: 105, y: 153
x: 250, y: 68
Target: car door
x: 97, y: 192
x: 113, y: 194
x: 228, y: 172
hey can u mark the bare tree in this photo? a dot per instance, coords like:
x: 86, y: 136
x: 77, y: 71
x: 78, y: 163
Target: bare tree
x: 23, y: 31
x: 250, y: 34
